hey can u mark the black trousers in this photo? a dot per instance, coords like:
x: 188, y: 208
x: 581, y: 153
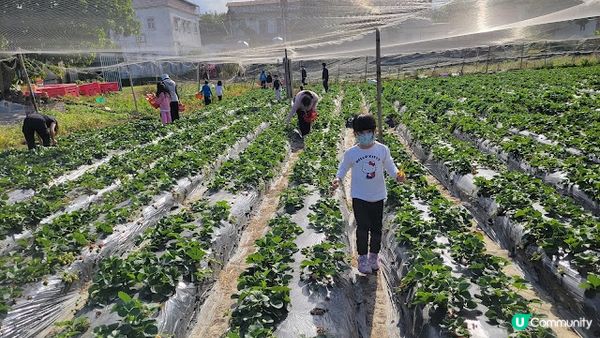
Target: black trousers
x: 174, y: 111
x: 32, y: 125
x: 304, y: 81
x: 369, y: 221
x: 326, y: 85
x: 303, y: 125
x: 207, y: 100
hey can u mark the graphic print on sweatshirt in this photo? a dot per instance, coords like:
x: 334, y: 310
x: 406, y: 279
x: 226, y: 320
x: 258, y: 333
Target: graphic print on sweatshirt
x: 368, y: 165
x: 369, y: 168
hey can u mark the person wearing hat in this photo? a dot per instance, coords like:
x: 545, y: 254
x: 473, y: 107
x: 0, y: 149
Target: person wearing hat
x: 368, y: 160
x: 325, y: 77
x: 172, y: 88
x: 45, y: 126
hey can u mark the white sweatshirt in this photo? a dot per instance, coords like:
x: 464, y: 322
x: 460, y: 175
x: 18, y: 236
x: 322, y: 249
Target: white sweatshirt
x: 367, y: 165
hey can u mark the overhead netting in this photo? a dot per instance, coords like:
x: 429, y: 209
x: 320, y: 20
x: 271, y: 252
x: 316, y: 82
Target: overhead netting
x: 259, y: 31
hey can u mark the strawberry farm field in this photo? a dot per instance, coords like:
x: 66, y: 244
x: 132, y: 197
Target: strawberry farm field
x: 224, y: 224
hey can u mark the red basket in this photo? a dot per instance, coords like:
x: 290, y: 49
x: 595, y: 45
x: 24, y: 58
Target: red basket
x: 90, y: 89
x: 107, y: 87
x: 151, y: 98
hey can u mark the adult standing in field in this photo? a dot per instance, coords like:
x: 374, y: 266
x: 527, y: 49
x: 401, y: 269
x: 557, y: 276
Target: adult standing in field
x: 325, y: 77
x: 303, y: 73
x: 305, y: 107
x: 45, y: 126
x: 163, y: 99
x: 368, y: 160
x: 263, y: 79
x: 277, y: 88
x: 269, y: 79
x: 207, y: 93
x: 219, y: 90
x: 172, y: 88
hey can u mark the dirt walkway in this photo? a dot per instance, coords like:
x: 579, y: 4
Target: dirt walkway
x: 371, y: 290
x: 213, y: 319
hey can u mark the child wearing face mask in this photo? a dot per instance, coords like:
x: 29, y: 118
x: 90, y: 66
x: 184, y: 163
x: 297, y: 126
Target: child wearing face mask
x: 368, y: 160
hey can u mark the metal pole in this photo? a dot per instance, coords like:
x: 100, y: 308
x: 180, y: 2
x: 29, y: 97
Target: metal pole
x: 132, y: 91
x: 462, y: 67
x: 522, y: 52
x: 546, y: 54
x: 487, y: 62
x: 198, y: 75
x: 378, y: 60
x: 288, y: 77
x: 337, y: 79
x: 284, y: 19
x: 31, y: 93
x: 366, y: 67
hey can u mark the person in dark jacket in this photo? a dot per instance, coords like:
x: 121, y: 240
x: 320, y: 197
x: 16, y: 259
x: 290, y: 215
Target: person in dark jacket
x: 325, y: 77
x: 207, y: 92
x: 303, y: 72
x: 269, y: 79
x: 45, y: 126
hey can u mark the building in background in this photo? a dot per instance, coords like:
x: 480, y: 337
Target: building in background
x: 168, y: 27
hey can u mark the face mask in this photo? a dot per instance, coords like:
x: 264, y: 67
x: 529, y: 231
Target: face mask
x: 365, y: 139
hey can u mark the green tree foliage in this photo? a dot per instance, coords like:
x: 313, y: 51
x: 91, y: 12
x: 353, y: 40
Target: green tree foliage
x: 63, y: 25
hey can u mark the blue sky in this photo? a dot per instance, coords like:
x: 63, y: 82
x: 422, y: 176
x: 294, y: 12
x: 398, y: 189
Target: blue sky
x: 212, y: 5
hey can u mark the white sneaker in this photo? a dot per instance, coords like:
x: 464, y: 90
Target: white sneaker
x: 363, y: 264
x: 374, y: 261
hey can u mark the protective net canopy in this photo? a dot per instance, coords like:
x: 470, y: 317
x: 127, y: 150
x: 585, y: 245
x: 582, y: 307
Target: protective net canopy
x: 258, y: 31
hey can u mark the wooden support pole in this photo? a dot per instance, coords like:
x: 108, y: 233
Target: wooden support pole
x: 31, y: 93
x: 379, y: 86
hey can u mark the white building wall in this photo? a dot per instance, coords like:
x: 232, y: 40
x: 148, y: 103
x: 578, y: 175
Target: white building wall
x: 164, y: 37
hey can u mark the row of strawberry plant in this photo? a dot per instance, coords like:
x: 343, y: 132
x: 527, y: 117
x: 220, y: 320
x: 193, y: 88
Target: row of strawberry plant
x: 257, y: 164
x: 534, y: 235
x: 462, y: 109
x: 263, y: 291
x: 28, y: 214
x: 256, y: 315
x: 570, y: 222
x: 49, y: 163
x: 175, y: 250
x: 264, y: 154
x: 446, y: 273
x: 26, y: 170
x: 58, y: 242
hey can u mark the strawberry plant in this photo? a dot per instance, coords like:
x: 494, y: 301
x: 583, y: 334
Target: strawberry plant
x: 136, y: 320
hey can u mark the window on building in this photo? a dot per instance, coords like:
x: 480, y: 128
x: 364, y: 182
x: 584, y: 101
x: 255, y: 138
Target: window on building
x: 140, y: 39
x: 263, y: 27
x: 176, y: 24
x: 151, y: 25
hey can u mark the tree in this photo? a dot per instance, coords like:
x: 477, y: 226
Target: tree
x: 213, y: 28
x: 65, y: 25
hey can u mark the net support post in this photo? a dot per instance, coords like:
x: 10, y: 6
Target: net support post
x: 31, y: 93
x: 379, y: 86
